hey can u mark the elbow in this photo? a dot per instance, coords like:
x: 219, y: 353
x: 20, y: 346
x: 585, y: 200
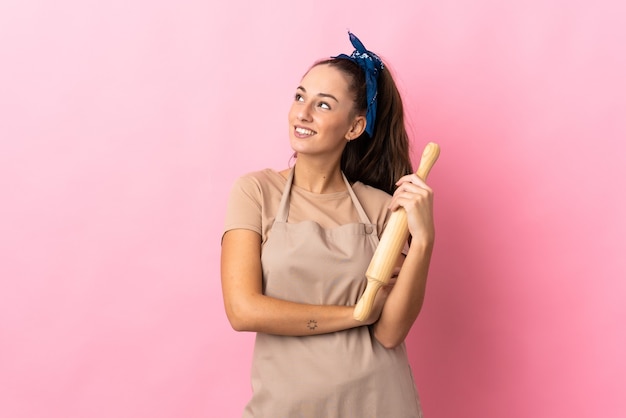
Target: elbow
x: 244, y: 312
x: 238, y: 319
x: 390, y: 344
x: 389, y: 341
x: 237, y: 324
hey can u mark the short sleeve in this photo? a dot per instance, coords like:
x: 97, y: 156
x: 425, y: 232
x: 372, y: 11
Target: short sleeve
x: 243, y: 210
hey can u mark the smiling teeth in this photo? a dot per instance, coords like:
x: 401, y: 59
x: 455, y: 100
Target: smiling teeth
x: 303, y: 131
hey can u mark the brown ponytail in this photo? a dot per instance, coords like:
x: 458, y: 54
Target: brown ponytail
x: 381, y: 160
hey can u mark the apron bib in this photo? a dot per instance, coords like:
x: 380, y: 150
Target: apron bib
x: 306, y: 263
x: 342, y: 374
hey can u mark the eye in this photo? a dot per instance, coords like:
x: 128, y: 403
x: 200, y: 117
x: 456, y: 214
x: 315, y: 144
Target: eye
x: 298, y: 97
x: 324, y: 105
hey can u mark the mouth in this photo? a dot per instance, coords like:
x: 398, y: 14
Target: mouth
x: 301, y: 132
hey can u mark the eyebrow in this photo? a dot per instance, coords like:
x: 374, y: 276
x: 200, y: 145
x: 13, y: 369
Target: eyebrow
x: 320, y: 94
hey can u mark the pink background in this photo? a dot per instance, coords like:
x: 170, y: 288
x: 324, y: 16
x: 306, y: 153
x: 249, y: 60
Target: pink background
x: 123, y: 125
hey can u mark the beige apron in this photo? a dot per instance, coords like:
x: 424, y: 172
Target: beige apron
x: 338, y: 375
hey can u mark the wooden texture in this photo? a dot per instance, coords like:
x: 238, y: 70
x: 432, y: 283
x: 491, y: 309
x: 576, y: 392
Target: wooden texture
x: 391, y: 243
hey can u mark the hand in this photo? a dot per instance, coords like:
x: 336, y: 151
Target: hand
x: 416, y: 197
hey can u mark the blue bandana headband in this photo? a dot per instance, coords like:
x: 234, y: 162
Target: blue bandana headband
x: 372, y: 66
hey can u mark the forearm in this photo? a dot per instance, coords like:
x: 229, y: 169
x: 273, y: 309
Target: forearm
x: 405, y: 300
x: 260, y: 313
x: 248, y: 309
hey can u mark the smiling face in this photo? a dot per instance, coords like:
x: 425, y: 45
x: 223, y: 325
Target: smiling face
x: 322, y: 117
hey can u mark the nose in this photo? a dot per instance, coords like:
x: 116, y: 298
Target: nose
x: 304, y: 112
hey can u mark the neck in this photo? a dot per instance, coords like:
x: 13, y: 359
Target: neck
x: 318, y: 178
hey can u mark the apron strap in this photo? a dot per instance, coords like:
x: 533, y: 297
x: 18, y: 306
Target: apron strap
x: 371, y: 229
x: 359, y: 209
x: 283, y: 208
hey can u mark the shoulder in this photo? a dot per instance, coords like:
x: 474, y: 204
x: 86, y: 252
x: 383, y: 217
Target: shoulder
x: 252, y: 199
x: 371, y: 194
x: 260, y: 181
x: 375, y: 202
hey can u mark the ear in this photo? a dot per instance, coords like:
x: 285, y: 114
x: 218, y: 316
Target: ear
x: 356, y: 128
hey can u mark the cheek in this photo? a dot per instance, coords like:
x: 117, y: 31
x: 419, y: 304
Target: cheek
x: 341, y: 125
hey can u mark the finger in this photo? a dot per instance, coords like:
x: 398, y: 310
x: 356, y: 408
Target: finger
x: 409, y: 195
x: 411, y: 178
x: 405, y: 178
x: 405, y: 188
x: 416, y: 204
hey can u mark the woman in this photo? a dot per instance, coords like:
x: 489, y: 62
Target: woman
x: 297, y: 244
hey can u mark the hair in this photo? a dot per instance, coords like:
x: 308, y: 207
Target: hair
x: 381, y: 160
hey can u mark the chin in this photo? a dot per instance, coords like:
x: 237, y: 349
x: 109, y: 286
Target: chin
x: 297, y: 145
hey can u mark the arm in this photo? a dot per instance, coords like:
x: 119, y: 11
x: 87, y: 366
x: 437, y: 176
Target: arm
x: 407, y: 295
x: 248, y: 309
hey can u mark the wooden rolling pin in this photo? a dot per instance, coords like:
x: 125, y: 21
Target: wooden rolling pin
x: 391, y: 243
